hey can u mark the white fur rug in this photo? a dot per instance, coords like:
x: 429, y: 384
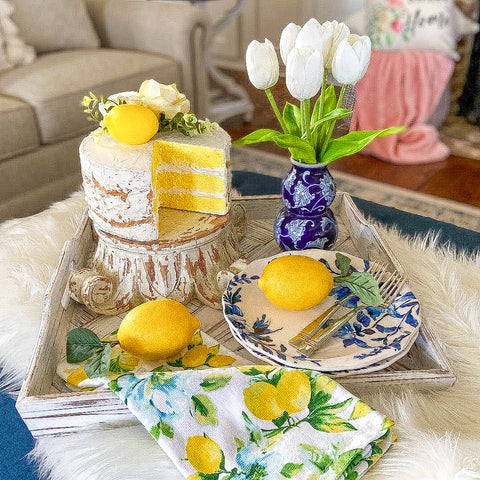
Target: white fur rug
x: 439, y: 431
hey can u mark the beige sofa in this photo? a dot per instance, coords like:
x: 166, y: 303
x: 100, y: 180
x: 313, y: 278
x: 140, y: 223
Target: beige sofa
x: 41, y: 121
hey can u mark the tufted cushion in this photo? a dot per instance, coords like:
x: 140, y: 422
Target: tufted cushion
x: 18, y: 129
x: 55, y: 84
x: 50, y: 25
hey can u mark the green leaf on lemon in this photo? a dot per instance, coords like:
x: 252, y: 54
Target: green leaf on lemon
x: 99, y: 364
x: 204, y: 410
x: 82, y: 343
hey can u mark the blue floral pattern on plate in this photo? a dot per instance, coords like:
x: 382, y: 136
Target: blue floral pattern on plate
x: 373, y: 338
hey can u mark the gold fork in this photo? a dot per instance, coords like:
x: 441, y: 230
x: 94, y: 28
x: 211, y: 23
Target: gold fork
x: 375, y: 269
x: 389, y: 290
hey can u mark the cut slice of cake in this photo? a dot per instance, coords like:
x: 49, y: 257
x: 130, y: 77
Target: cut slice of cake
x: 192, y: 173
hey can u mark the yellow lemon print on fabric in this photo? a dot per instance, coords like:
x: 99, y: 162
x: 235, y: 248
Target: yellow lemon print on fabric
x: 360, y: 410
x: 261, y: 399
x: 295, y: 282
x: 77, y: 376
x: 294, y: 391
x: 195, y: 357
x: 204, y: 454
x: 325, y: 383
x: 131, y: 124
x: 157, y: 329
x: 220, y: 361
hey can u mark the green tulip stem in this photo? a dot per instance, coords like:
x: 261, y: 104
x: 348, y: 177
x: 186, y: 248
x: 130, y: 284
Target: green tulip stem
x: 273, y: 103
x: 332, y: 124
x: 305, y: 117
x: 324, y: 86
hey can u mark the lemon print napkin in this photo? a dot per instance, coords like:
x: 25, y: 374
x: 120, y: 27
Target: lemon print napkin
x: 256, y: 422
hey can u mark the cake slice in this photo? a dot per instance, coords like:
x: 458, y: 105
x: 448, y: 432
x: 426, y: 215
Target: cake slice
x: 192, y: 173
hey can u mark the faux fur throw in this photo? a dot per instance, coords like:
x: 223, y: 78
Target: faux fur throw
x: 439, y: 430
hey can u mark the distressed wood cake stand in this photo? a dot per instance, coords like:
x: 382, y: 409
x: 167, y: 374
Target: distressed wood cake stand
x: 193, y: 248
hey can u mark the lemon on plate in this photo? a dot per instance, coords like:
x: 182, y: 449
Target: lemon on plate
x: 131, y: 124
x: 295, y: 282
x: 157, y: 329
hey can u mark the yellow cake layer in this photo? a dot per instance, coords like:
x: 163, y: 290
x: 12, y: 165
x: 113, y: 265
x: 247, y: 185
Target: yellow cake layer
x: 195, y: 156
x: 186, y: 201
x: 189, y: 181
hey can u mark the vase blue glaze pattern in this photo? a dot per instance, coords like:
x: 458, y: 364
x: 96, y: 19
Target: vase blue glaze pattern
x: 306, y: 221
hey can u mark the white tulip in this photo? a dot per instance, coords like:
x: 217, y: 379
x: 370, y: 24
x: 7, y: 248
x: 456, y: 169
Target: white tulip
x: 351, y: 59
x: 287, y: 40
x: 310, y: 35
x: 333, y: 33
x: 262, y: 64
x: 304, y: 72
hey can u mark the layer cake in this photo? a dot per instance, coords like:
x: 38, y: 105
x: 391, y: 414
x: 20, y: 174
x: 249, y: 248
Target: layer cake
x: 126, y: 186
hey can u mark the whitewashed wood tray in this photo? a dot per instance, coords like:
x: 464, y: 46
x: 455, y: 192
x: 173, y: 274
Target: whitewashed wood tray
x: 49, y: 409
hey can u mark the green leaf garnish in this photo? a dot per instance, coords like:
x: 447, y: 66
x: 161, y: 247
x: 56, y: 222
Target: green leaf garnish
x: 99, y: 364
x: 82, y: 343
x: 343, y: 263
x: 364, y: 286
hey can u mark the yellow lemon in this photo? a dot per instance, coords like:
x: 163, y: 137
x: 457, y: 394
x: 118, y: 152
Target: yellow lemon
x: 293, y: 391
x: 204, y: 454
x: 195, y: 357
x: 132, y: 124
x: 261, y: 399
x: 295, y: 282
x: 157, y: 329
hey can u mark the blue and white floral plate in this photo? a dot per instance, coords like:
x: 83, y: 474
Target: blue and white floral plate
x: 374, y: 367
x: 375, y: 336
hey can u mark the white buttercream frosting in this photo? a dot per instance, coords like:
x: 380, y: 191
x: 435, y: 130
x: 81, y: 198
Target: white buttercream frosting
x: 118, y: 184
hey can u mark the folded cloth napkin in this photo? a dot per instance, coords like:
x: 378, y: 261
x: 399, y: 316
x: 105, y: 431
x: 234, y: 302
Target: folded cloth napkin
x: 256, y: 422
x: 403, y: 88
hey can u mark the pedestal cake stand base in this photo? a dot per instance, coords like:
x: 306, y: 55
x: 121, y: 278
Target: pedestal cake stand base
x: 193, y: 248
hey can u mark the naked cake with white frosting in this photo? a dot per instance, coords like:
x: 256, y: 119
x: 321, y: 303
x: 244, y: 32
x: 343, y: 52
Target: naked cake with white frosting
x: 127, y: 186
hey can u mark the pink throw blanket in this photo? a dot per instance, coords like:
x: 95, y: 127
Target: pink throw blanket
x: 403, y: 88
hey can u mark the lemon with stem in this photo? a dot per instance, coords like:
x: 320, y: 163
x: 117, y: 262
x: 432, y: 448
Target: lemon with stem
x: 204, y: 454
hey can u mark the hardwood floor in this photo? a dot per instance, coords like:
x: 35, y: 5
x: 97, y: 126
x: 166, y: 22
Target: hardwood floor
x: 457, y: 178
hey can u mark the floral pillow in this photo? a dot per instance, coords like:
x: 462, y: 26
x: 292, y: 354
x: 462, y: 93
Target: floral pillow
x: 412, y: 24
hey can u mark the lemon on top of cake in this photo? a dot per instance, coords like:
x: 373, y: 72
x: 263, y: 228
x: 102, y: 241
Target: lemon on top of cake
x: 131, y: 167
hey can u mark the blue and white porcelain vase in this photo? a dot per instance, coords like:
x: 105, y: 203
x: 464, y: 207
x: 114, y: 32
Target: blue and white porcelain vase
x: 306, y: 221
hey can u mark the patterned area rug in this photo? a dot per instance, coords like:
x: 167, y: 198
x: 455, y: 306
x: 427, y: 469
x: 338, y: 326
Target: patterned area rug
x: 461, y: 215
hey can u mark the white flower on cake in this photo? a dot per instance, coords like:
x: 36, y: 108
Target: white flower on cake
x: 170, y: 107
x: 162, y: 98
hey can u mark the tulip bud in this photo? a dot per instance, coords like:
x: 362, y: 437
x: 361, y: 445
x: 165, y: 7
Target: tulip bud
x: 310, y: 35
x: 304, y: 72
x: 334, y: 32
x: 262, y: 64
x: 287, y: 40
x: 351, y: 59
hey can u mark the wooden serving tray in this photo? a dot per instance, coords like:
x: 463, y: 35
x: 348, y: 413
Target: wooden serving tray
x: 49, y: 409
